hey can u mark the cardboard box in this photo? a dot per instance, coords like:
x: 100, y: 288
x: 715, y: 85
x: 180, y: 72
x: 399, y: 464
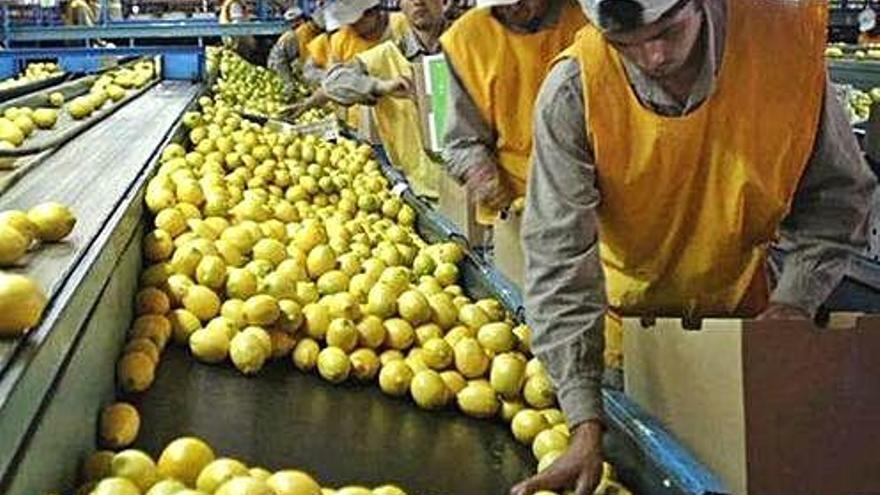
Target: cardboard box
x: 773, y: 407
x: 507, y: 252
x: 457, y: 205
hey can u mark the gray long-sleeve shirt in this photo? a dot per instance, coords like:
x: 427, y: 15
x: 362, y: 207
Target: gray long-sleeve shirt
x: 284, y: 56
x: 565, y: 291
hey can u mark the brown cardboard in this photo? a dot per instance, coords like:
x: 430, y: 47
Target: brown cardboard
x: 507, y: 248
x: 772, y: 407
x: 457, y: 205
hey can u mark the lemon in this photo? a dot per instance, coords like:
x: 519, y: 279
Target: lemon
x: 156, y: 328
x: 119, y: 425
x: 143, y: 345
x: 450, y: 252
x: 259, y: 473
x: 98, y: 466
x: 241, y: 284
x: 183, y: 324
x: 538, y: 391
x: 136, y: 466
x: 317, y: 320
x: 395, y: 377
x: 262, y: 336
x: 415, y: 361
x: 548, y: 441
x: 151, y: 301
x: 493, y: 309
x: 390, y: 355
x: 184, y: 458
x: 21, y: 304
x: 446, y: 274
x: 524, y: 338
x: 233, y: 310
x: 343, y: 334
x: 45, y: 118
x: 293, y: 483
x: 248, y: 353
x: 211, y: 272
x: 54, y: 221
x: 399, y: 334
x: 202, y: 302
x: 381, y: 301
x: 282, y: 343
x: 429, y: 390
x: 354, y: 490
x: 437, y: 354
x: 116, y: 486
x: 19, y: 220
x: 320, y: 260
x: 388, y: 490
x: 167, y: 487
x: 270, y: 250
x: 244, y: 485
x: 510, y: 408
x: 508, y: 375
x: 365, y: 365
x: 470, y: 359
x: 56, y: 99
x: 332, y: 282
x: 553, y: 416
x: 443, y: 310
x: 135, y: 372
x: 13, y: 245
x: 334, y: 365
x: 261, y: 310
x: 209, y: 346
x: 527, y: 424
x: 497, y: 337
x: 413, y: 307
x: 534, y: 367
x: 478, y: 400
x: 458, y: 333
x: 305, y: 355
x: 342, y: 305
x: 218, y: 472
x: 454, y: 381
x: 292, y: 314
x: 472, y: 316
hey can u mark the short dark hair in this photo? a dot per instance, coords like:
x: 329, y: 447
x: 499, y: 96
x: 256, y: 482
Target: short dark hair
x: 625, y: 15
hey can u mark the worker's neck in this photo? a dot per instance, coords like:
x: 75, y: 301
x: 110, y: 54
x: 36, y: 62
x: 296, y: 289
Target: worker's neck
x: 681, y: 83
x: 429, y: 37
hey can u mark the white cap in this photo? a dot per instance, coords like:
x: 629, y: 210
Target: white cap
x: 293, y: 13
x: 344, y: 12
x: 494, y: 3
x: 652, y: 10
x: 867, y: 19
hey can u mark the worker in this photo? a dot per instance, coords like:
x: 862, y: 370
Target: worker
x: 363, y: 25
x: 498, y: 56
x: 81, y: 13
x: 382, y: 77
x: 684, y: 137
x: 869, y: 30
x: 288, y: 53
x: 235, y: 12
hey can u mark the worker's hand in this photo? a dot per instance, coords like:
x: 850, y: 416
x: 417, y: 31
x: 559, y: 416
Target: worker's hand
x: 778, y: 311
x: 292, y: 112
x: 399, y: 87
x: 485, y: 184
x: 580, y: 467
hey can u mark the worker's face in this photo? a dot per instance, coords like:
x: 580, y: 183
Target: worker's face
x: 423, y: 14
x: 663, y: 48
x: 372, y: 24
x: 523, y: 13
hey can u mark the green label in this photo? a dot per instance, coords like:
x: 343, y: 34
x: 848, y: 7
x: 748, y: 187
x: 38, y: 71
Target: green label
x: 437, y: 87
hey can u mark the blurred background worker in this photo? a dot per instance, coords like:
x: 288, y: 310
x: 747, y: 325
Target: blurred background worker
x: 499, y: 54
x: 652, y: 138
x: 234, y: 12
x: 81, y: 13
x: 288, y: 53
x: 363, y: 24
x: 383, y: 78
x: 317, y: 51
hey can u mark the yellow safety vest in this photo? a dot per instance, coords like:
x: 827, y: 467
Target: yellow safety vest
x: 502, y: 71
x: 319, y: 50
x: 398, y: 121
x: 691, y: 203
x: 305, y: 33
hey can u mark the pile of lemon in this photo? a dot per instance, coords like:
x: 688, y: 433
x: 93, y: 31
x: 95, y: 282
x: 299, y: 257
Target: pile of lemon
x: 251, y: 88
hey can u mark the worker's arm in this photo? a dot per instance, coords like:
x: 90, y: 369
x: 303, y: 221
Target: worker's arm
x: 351, y: 84
x: 282, y: 56
x: 828, y: 218
x: 565, y: 284
x: 469, y: 146
x: 312, y: 72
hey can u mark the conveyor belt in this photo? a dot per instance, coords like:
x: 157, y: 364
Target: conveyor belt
x: 95, y: 175
x: 354, y: 434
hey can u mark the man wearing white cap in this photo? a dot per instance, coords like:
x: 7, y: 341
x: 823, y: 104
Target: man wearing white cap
x: 289, y: 52
x: 498, y: 55
x: 684, y: 137
x: 365, y: 24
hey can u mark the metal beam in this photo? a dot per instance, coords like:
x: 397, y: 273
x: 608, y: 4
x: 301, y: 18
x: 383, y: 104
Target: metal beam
x: 161, y: 29
x: 121, y: 51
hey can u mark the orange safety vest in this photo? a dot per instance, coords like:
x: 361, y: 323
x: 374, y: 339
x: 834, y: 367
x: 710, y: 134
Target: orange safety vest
x: 690, y: 204
x: 305, y: 33
x: 502, y: 71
